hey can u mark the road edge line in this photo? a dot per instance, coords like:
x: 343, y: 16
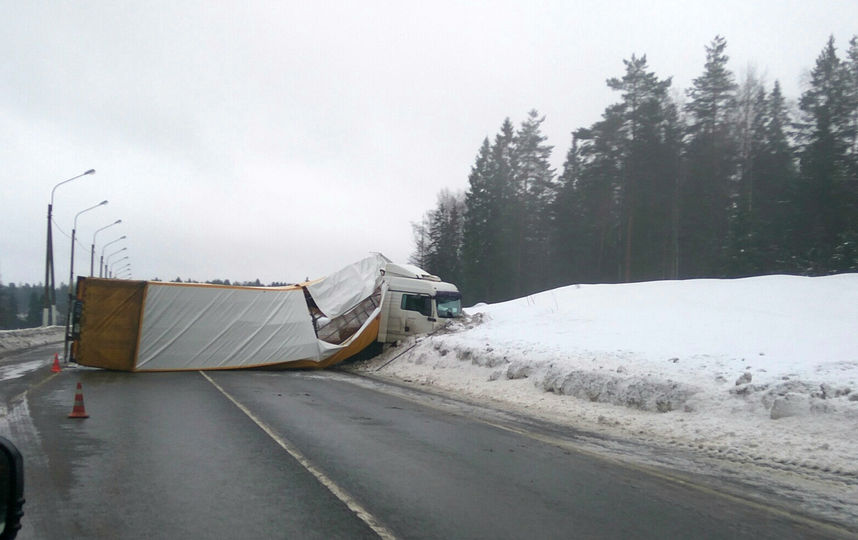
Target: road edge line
x: 362, y: 513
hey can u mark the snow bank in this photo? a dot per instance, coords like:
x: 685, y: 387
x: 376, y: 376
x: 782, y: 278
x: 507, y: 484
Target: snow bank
x: 760, y: 370
x: 664, y: 346
x: 16, y: 340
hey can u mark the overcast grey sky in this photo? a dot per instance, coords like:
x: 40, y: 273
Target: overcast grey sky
x: 284, y: 140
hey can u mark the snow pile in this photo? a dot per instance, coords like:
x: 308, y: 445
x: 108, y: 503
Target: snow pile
x: 756, y: 369
x: 16, y: 340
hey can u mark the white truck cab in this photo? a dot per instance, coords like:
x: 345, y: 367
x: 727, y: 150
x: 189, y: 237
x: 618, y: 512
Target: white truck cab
x: 416, y: 302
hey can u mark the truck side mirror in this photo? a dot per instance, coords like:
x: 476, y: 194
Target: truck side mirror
x: 11, y: 489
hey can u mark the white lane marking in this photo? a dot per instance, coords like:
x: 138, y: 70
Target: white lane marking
x: 340, y: 493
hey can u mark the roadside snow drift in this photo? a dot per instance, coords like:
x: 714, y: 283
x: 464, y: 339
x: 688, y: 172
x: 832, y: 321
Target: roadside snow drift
x: 662, y: 346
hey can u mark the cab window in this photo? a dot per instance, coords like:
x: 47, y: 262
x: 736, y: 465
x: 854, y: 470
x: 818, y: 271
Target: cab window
x: 418, y: 303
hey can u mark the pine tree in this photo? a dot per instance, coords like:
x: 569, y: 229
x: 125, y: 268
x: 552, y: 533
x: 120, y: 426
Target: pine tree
x: 490, y: 222
x: 761, y: 231
x: 742, y: 253
x: 477, y: 240
x: 500, y: 265
x: 846, y: 250
x: 648, y: 172
x: 852, y: 105
x: 420, y: 234
x: 710, y: 167
x: 826, y: 187
x: 775, y: 187
x: 593, y: 198
x: 534, y: 189
x: 445, y: 236
x: 567, y: 223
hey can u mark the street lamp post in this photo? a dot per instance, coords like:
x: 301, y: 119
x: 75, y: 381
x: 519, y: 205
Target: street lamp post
x: 122, y: 271
x: 74, y: 231
x: 50, y: 304
x: 101, y: 260
x: 92, y: 250
x: 107, y: 261
x: 117, y: 261
x: 71, y: 278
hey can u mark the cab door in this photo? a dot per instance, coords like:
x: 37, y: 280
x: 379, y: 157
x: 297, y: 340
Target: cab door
x: 417, y: 311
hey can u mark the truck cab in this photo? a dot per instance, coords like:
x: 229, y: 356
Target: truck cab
x: 416, y: 302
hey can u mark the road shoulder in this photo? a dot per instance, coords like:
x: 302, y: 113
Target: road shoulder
x: 826, y: 498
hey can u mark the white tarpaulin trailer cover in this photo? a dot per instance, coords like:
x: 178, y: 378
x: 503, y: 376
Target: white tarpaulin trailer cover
x: 343, y: 290
x: 187, y: 326
x: 198, y: 327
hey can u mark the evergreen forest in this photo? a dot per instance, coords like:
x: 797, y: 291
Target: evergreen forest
x: 21, y: 306
x: 727, y: 179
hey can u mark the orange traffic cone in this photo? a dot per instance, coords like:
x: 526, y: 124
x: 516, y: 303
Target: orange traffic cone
x: 56, y: 367
x: 78, y: 411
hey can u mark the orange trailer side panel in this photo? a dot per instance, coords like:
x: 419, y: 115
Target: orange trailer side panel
x: 110, y: 323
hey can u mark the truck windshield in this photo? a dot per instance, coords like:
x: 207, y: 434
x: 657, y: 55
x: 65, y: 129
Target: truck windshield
x: 449, y: 304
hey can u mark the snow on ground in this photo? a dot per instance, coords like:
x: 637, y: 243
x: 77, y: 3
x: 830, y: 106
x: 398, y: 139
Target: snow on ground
x: 759, y: 370
x: 16, y: 340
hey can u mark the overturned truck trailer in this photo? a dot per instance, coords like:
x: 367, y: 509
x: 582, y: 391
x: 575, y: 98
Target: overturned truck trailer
x: 155, y: 326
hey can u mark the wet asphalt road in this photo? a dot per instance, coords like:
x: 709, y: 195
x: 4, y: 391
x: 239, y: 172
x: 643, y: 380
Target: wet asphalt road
x: 248, y: 455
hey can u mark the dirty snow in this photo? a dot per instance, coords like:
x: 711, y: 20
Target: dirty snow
x: 16, y: 340
x: 760, y: 370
